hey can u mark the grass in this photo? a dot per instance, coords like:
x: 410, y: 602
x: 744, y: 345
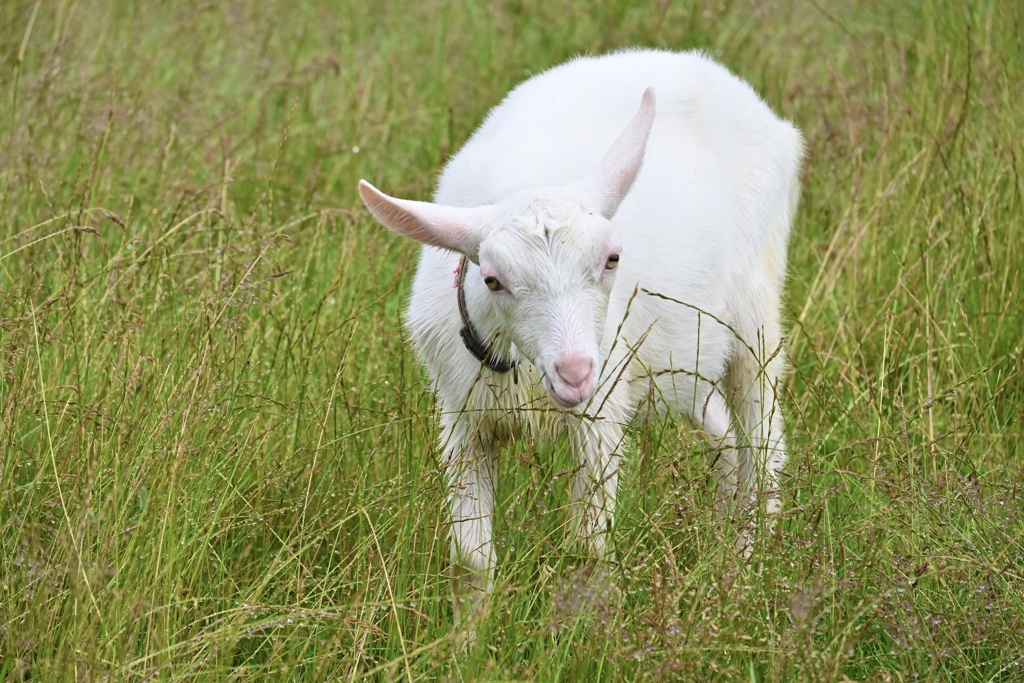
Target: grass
x: 217, y: 453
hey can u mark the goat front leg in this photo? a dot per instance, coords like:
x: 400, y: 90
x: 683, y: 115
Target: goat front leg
x: 470, y: 466
x: 597, y: 442
x: 733, y: 470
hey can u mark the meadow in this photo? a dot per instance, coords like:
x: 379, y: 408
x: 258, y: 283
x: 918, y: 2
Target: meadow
x: 218, y: 457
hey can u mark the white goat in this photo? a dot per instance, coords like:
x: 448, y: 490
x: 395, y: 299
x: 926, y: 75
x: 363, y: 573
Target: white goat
x: 534, y: 215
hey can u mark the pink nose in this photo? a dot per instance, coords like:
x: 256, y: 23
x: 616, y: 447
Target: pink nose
x: 576, y: 371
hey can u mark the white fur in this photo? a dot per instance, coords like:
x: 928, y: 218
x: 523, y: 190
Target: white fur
x: 542, y: 194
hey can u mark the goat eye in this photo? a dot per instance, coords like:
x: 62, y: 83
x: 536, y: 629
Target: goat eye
x: 613, y: 262
x: 493, y: 284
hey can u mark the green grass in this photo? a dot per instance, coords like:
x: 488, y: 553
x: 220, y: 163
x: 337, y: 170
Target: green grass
x: 217, y: 453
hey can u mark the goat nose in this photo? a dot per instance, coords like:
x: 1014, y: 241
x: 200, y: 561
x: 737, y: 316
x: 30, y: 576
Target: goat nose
x: 575, y: 370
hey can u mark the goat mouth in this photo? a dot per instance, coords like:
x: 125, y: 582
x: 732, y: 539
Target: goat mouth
x: 560, y: 400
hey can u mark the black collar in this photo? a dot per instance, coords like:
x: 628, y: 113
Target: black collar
x: 482, y: 352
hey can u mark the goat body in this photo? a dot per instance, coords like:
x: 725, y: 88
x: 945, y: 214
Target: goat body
x: 620, y: 257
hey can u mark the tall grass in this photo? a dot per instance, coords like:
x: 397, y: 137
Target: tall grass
x: 217, y: 454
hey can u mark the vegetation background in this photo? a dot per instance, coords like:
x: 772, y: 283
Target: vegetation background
x: 217, y: 454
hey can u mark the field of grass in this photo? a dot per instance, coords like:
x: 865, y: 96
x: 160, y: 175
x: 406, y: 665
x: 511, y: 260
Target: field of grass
x: 217, y: 455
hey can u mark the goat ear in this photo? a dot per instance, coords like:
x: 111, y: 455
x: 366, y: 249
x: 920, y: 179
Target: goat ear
x: 448, y: 227
x: 607, y: 186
